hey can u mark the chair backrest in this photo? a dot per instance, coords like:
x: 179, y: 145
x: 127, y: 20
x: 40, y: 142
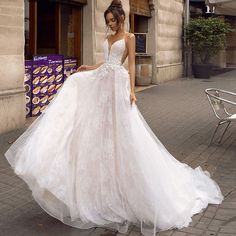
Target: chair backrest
x: 218, y: 102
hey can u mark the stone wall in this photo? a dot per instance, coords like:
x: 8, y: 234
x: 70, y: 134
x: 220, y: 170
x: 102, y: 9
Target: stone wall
x: 12, y: 97
x: 169, y: 25
x: 88, y: 34
x: 231, y: 46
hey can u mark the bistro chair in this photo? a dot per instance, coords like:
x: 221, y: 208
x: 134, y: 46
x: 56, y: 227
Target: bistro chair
x: 222, y: 104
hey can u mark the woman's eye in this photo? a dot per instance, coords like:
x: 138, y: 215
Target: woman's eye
x: 113, y: 20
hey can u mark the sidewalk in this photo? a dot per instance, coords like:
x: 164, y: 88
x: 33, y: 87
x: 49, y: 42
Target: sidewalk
x: 179, y: 114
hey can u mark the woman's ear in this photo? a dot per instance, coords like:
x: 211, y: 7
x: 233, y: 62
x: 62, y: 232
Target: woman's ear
x: 122, y: 18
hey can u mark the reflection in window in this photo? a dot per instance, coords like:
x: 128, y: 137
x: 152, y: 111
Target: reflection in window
x: 27, y: 29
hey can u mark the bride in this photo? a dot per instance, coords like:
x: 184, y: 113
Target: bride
x: 91, y: 160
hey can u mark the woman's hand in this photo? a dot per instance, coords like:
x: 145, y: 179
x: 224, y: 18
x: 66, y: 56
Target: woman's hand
x: 133, y: 98
x: 83, y: 68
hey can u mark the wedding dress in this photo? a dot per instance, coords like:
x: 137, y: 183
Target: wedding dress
x: 91, y: 160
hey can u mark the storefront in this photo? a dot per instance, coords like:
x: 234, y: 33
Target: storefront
x: 53, y: 48
x: 53, y: 32
x: 140, y: 25
x: 53, y: 27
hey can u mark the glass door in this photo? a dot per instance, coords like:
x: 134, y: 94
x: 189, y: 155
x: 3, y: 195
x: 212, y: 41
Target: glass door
x: 53, y: 28
x: 70, y: 32
x: 47, y: 28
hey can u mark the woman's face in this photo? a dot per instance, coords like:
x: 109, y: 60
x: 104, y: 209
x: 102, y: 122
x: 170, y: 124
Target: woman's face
x: 112, y: 22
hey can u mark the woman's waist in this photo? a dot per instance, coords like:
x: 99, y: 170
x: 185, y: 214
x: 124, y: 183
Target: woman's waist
x: 108, y: 66
x: 113, y: 63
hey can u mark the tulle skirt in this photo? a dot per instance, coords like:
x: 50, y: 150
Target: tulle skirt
x: 91, y: 160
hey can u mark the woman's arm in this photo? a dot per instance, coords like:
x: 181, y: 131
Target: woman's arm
x: 131, y: 59
x: 91, y: 67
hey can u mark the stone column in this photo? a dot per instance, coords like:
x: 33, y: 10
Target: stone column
x: 88, y: 33
x: 12, y: 97
x: 169, y: 27
x: 151, y: 38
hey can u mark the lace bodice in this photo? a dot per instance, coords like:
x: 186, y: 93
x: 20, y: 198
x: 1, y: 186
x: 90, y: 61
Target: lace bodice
x: 114, y: 55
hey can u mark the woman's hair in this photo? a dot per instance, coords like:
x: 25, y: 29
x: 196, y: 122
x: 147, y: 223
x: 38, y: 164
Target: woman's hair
x: 116, y: 9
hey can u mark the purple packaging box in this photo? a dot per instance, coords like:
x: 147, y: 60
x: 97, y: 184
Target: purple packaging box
x: 70, y: 67
x: 46, y: 69
x: 57, y: 64
x: 28, y: 86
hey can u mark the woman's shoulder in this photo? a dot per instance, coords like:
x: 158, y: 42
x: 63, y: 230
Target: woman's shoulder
x: 130, y: 38
x: 108, y: 36
x: 129, y: 35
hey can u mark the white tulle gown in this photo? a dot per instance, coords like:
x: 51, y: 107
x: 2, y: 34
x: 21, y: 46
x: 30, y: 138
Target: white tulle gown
x: 91, y: 160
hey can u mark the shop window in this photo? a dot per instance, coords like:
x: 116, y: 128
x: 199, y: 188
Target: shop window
x: 139, y: 14
x: 140, y: 24
x: 140, y: 31
x: 52, y: 49
x: 70, y: 36
x: 53, y: 28
x: 46, y: 28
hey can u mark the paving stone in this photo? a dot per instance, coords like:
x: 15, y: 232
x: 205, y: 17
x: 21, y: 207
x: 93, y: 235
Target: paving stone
x: 103, y: 232
x: 179, y: 234
x: 205, y: 220
x: 210, y: 233
x: 228, y: 205
x: 212, y: 208
x: 192, y: 230
x: 195, y: 154
x: 229, y: 226
x: 201, y: 225
x: 209, y: 214
x: 228, y: 230
x: 135, y: 233
x: 223, y: 234
x: 225, y: 214
x: 165, y: 233
x: 215, y: 225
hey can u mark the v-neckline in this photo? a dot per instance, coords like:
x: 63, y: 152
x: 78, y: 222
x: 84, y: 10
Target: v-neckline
x: 110, y: 47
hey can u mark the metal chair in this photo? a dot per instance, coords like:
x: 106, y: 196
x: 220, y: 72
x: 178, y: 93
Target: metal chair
x: 221, y: 103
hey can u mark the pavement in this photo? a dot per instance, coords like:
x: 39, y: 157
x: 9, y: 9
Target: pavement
x: 179, y: 114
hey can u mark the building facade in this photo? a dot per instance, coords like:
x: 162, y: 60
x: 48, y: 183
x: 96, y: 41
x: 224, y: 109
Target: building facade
x: 227, y: 56
x: 76, y: 29
x: 164, y: 29
x: 169, y: 31
x: 12, y: 96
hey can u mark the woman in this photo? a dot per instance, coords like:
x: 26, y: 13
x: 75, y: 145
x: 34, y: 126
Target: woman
x: 91, y: 160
